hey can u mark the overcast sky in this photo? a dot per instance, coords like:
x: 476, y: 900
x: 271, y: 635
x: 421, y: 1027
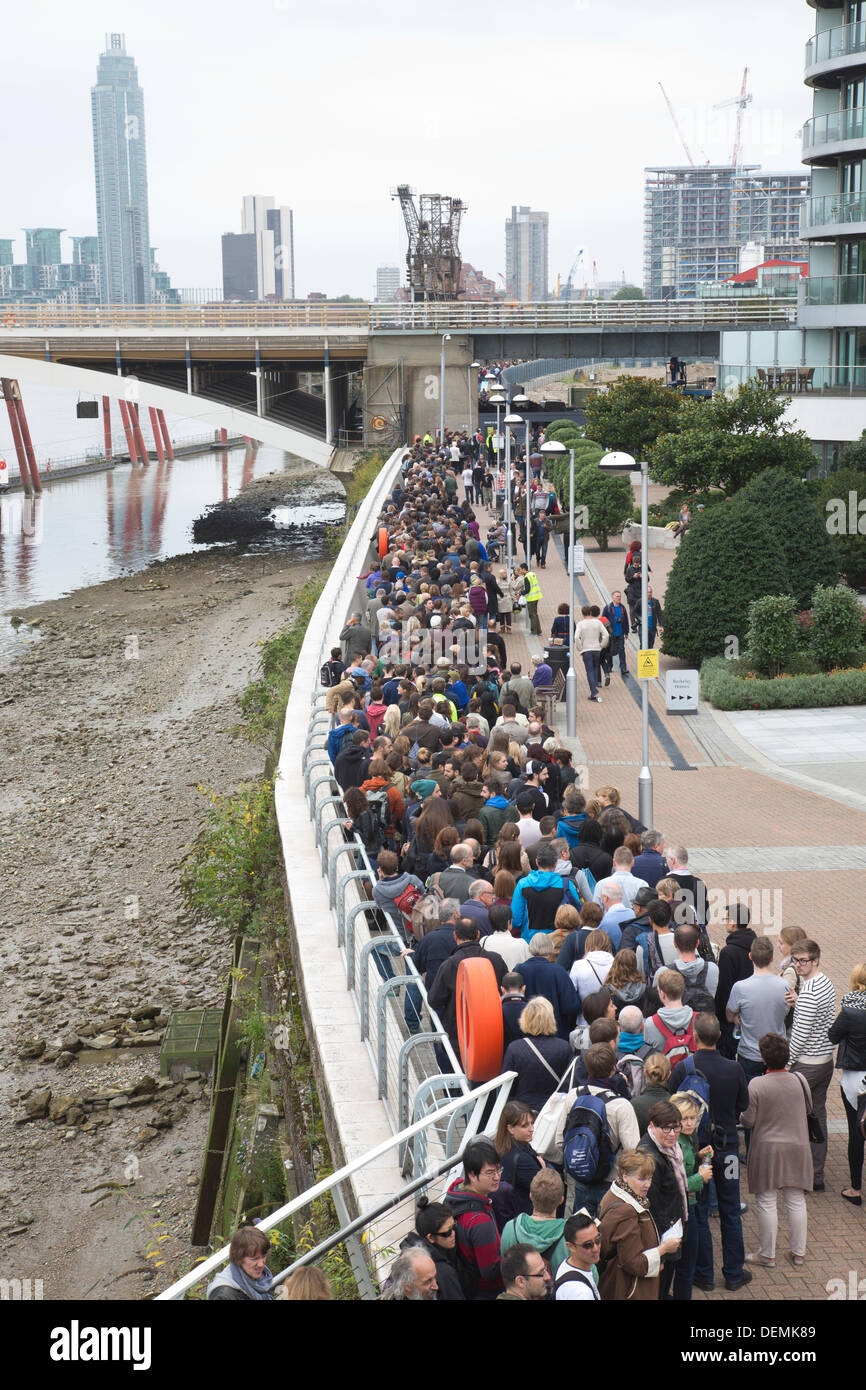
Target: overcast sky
x: 328, y: 105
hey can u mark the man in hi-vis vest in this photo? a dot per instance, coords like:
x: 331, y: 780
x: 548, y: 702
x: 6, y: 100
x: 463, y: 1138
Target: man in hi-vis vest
x: 532, y: 594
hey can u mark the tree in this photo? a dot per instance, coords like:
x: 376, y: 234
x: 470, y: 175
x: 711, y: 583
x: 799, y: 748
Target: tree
x: 838, y: 501
x: 629, y: 292
x: 727, y: 558
x: 608, y: 499
x: 837, y: 634
x: 725, y: 441
x: 854, y: 454
x: 632, y: 414
x: 772, y: 634
x: 787, y: 508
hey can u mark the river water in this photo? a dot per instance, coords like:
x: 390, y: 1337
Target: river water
x: 99, y: 526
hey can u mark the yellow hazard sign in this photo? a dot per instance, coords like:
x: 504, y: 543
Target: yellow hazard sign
x: 647, y: 664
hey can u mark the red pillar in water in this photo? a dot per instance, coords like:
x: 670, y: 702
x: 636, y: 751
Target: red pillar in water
x: 28, y: 444
x: 127, y: 429
x: 16, y: 435
x: 139, y: 437
x: 157, y: 437
x: 169, y: 447
x: 106, y: 428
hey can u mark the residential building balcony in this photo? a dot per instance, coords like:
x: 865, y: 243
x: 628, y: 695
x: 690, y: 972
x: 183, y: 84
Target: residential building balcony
x: 836, y: 133
x: 834, y: 52
x: 799, y: 380
x: 822, y: 217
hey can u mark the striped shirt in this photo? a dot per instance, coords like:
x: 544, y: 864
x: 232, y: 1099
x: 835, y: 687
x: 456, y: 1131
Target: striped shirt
x: 814, y: 1012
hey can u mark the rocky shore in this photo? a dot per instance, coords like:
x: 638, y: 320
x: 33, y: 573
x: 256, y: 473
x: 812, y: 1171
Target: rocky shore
x: 111, y: 725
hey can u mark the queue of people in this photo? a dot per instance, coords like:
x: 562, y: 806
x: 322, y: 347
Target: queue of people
x: 654, y: 1068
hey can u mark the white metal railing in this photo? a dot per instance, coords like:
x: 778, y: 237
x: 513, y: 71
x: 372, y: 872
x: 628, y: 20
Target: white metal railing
x: 467, y: 316
x: 367, y: 1240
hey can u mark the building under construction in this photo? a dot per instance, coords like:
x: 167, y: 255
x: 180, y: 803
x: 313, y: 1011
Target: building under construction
x: 433, y: 258
x: 697, y: 218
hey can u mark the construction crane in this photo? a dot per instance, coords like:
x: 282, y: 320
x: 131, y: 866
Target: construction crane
x: 566, y: 290
x: 677, y: 126
x: 433, y: 258
x: 741, y: 102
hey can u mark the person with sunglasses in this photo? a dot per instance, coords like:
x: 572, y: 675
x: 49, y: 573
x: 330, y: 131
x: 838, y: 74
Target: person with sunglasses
x: 577, y: 1278
x: 436, y: 1233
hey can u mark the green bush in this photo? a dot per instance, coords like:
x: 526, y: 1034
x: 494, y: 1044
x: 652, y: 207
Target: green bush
x: 772, y: 634
x: 632, y: 414
x: 728, y: 691
x: 608, y: 499
x: 838, y: 633
x: 726, y: 559
x: 786, y: 508
x: 832, y: 500
x: 853, y: 456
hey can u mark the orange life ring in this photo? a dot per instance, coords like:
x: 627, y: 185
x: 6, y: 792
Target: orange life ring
x: 479, y: 1019
x: 383, y: 542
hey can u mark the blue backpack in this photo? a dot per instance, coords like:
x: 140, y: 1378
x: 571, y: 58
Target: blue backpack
x: 587, y: 1150
x: 699, y: 1087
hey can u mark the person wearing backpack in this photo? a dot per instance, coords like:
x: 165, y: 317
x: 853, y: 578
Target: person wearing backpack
x: 632, y: 1049
x: 728, y: 1097
x: 655, y: 948
x: 332, y: 671
x: 668, y: 1192
x: 597, y: 1124
x: 701, y: 976
x: 671, y: 1029
x: 577, y: 1277
x: 391, y: 885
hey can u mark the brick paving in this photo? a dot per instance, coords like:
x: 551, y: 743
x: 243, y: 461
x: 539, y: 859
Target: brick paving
x: 731, y: 807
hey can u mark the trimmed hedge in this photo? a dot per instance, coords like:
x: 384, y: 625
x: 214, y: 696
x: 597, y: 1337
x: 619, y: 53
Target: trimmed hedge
x: 728, y: 691
x: 787, y: 508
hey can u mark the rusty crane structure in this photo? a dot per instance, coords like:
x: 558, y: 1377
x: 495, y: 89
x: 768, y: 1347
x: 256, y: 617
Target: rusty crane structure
x: 433, y: 259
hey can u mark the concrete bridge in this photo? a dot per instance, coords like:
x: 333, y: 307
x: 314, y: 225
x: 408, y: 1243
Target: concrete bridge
x: 303, y: 367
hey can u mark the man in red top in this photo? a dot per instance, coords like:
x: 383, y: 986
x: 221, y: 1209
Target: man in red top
x: 477, y: 1234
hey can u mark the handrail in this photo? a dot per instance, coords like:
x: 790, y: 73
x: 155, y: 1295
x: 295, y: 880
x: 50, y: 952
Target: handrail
x: 477, y: 1099
x: 371, y: 318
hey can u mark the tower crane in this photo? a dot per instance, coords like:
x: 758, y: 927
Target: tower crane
x: 741, y: 102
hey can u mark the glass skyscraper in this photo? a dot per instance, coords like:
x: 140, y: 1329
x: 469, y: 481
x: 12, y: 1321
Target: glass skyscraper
x: 120, y: 161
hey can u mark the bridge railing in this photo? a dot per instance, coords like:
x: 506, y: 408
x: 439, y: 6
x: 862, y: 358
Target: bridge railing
x: 355, y: 1244
x: 364, y: 318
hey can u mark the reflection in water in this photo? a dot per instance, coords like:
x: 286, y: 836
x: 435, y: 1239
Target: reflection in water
x: 87, y: 529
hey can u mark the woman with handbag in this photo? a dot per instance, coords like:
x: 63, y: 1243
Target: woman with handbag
x: 539, y: 1058
x: 780, y: 1159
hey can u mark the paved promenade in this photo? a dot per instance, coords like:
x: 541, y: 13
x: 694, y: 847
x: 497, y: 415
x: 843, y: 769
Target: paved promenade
x: 798, y: 853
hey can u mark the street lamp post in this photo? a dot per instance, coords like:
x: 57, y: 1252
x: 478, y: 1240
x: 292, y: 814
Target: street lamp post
x: 508, y: 422
x: 624, y: 463
x: 498, y: 399
x: 522, y: 402
x: 553, y: 446
x: 446, y: 338
x: 473, y: 367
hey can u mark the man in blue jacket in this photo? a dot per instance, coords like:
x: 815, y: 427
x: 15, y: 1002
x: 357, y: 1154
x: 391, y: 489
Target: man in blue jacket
x: 616, y: 615
x: 538, y: 896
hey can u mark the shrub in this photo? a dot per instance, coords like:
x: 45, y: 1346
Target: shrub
x: 728, y: 691
x: 609, y: 500
x: 726, y: 559
x: 787, y: 508
x: 632, y: 414
x: 838, y: 633
x: 848, y: 544
x: 772, y: 634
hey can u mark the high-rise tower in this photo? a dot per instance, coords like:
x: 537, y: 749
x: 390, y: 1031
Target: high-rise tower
x: 120, y: 162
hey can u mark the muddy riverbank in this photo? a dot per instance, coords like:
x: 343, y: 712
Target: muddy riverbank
x: 110, y: 724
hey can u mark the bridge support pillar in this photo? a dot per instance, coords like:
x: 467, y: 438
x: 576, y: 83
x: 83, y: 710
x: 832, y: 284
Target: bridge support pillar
x: 139, y: 437
x: 329, y: 404
x: 258, y: 380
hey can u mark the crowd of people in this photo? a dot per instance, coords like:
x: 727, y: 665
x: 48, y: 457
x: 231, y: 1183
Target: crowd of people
x: 652, y: 1067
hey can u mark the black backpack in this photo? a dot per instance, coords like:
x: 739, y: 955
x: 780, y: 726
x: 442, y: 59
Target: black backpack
x: 696, y: 995
x: 328, y: 676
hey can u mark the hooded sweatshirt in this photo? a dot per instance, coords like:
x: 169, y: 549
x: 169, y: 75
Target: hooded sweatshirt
x: 477, y: 1239
x: 676, y: 1018
x: 541, y: 1232
x: 540, y: 880
x: 386, y: 890
x: 568, y: 828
